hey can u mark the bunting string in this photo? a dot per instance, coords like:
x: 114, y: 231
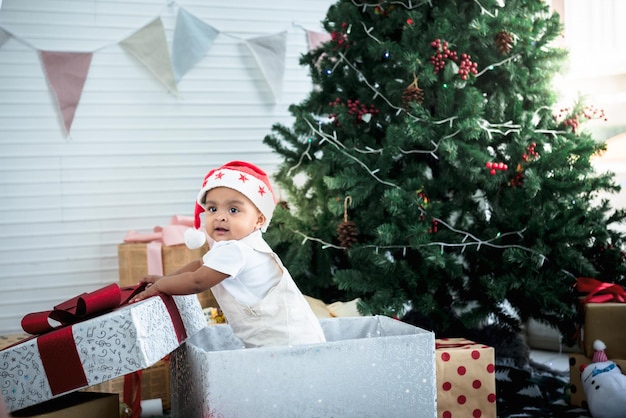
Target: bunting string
x: 66, y: 72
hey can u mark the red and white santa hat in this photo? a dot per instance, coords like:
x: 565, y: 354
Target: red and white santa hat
x: 242, y: 176
x: 599, y: 355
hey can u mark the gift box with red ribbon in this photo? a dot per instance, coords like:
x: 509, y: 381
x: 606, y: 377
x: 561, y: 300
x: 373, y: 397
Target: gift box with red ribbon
x: 604, y: 316
x: 92, y: 338
x: 466, y: 381
x: 159, y: 252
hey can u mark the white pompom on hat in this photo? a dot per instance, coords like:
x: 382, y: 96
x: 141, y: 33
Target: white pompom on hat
x: 242, y: 176
x: 598, y: 354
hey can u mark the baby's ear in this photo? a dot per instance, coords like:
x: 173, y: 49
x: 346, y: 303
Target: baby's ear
x: 261, y: 220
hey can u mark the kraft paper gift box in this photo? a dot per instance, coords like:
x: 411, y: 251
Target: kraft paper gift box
x: 466, y: 381
x: 159, y: 252
x: 75, y: 405
x: 71, y: 357
x: 605, y: 321
x: 369, y: 367
x: 577, y: 362
x: 154, y: 384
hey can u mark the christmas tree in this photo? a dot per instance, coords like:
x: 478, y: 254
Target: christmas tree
x: 430, y: 169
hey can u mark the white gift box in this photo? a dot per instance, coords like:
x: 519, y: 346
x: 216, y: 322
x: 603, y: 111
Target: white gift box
x: 114, y: 344
x: 369, y: 367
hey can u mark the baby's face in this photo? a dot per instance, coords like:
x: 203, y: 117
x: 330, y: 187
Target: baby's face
x: 230, y: 215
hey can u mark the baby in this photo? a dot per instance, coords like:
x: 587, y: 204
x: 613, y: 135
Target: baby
x: 260, y: 300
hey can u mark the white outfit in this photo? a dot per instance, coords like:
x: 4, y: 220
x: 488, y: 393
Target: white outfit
x: 260, y: 300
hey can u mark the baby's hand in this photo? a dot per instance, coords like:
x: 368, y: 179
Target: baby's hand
x: 150, y: 278
x: 151, y: 290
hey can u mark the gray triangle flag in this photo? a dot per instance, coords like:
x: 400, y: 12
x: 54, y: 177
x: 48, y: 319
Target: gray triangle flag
x: 149, y: 46
x: 4, y: 36
x: 269, y: 52
x: 192, y: 40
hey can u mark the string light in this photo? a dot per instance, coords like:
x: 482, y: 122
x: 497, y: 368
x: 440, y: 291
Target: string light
x: 408, y: 6
x: 485, y: 11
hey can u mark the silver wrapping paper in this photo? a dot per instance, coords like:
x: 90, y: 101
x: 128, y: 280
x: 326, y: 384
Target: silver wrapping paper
x: 369, y: 367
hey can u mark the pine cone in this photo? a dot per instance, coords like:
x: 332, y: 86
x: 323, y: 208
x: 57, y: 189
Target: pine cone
x: 504, y: 42
x: 348, y: 233
x: 412, y: 94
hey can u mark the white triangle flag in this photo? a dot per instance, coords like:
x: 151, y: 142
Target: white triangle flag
x: 149, y: 46
x: 269, y: 52
x: 192, y: 40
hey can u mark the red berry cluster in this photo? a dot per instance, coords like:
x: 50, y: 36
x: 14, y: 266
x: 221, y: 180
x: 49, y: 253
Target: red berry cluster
x: 433, y: 229
x: 573, y: 121
x: 466, y: 66
x: 340, y: 38
x: 493, y: 167
x: 438, y: 60
x: 518, y: 178
x: 355, y: 108
x: 530, y: 153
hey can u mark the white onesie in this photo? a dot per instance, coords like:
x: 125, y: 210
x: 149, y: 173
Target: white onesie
x: 260, y: 300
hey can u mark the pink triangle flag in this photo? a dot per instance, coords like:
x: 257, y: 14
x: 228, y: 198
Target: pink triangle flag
x: 4, y: 35
x: 316, y: 38
x: 149, y: 46
x: 269, y: 52
x: 66, y: 73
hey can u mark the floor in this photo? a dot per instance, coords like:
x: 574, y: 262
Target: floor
x: 554, y: 360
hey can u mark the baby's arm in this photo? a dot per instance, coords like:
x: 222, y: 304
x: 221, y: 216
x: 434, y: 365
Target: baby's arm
x: 184, y: 283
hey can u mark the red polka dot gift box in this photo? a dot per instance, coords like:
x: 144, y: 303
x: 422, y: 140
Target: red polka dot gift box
x: 466, y: 383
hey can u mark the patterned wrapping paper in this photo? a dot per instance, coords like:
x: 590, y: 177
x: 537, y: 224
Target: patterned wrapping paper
x: 369, y: 367
x: 466, y: 384
x: 125, y: 340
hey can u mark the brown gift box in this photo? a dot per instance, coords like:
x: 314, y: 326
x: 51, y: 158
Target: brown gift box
x: 7, y: 340
x: 133, y: 264
x: 577, y: 362
x: 155, y: 383
x: 605, y: 321
x: 466, y: 381
x: 75, y: 405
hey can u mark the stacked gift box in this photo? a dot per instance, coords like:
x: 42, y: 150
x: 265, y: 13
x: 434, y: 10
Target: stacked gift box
x: 604, y: 317
x: 101, y: 337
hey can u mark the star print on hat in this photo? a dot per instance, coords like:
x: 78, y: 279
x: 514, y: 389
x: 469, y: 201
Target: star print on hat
x: 242, y: 176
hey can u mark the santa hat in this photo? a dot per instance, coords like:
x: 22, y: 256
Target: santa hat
x: 244, y: 177
x: 599, y: 355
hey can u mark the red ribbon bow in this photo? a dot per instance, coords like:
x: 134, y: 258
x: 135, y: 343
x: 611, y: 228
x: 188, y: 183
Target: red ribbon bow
x: 80, y: 308
x: 600, y: 292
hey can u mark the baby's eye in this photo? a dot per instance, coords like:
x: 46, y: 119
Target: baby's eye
x: 211, y: 209
x: 233, y: 210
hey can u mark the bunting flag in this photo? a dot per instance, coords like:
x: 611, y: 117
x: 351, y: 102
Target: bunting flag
x: 192, y: 40
x: 66, y: 73
x: 149, y: 46
x: 269, y: 52
x: 316, y: 38
x: 4, y: 36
